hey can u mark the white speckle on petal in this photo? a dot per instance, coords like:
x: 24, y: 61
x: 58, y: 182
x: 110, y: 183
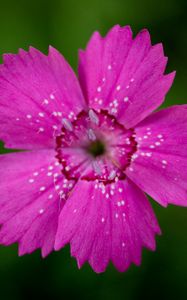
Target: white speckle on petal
x: 46, y: 101
x: 49, y: 174
x: 148, y: 154
x: 41, y: 129
x: 42, y: 188
x: 31, y: 180
x: 160, y: 136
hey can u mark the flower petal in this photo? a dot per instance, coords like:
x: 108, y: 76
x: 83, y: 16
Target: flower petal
x: 124, y: 76
x: 37, y: 91
x: 31, y: 194
x: 104, y: 223
x: 160, y: 165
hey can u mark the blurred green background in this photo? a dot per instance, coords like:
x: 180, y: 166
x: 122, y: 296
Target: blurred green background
x: 67, y: 25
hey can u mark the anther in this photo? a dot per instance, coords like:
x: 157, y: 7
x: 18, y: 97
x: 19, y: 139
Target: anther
x: 93, y: 117
x: 67, y: 124
x: 91, y: 135
x: 112, y: 175
x: 96, y: 167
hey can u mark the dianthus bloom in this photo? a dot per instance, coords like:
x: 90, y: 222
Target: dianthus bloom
x: 92, y: 147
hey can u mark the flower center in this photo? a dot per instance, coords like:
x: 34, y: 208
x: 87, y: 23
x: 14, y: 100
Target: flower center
x: 95, y: 146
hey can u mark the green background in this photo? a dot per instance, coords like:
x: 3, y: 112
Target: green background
x: 67, y: 25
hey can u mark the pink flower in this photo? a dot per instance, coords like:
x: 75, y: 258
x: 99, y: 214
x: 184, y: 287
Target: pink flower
x: 91, y: 150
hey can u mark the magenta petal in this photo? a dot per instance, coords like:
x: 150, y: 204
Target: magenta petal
x: 159, y: 166
x: 30, y: 187
x: 107, y: 223
x: 37, y: 91
x: 99, y: 56
x: 124, y: 76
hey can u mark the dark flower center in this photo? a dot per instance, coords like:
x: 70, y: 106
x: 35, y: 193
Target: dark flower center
x: 96, y: 148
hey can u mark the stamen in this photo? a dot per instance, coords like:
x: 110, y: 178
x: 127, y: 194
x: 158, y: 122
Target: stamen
x: 67, y: 124
x: 91, y: 135
x: 112, y: 175
x: 93, y: 117
x: 96, y: 167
